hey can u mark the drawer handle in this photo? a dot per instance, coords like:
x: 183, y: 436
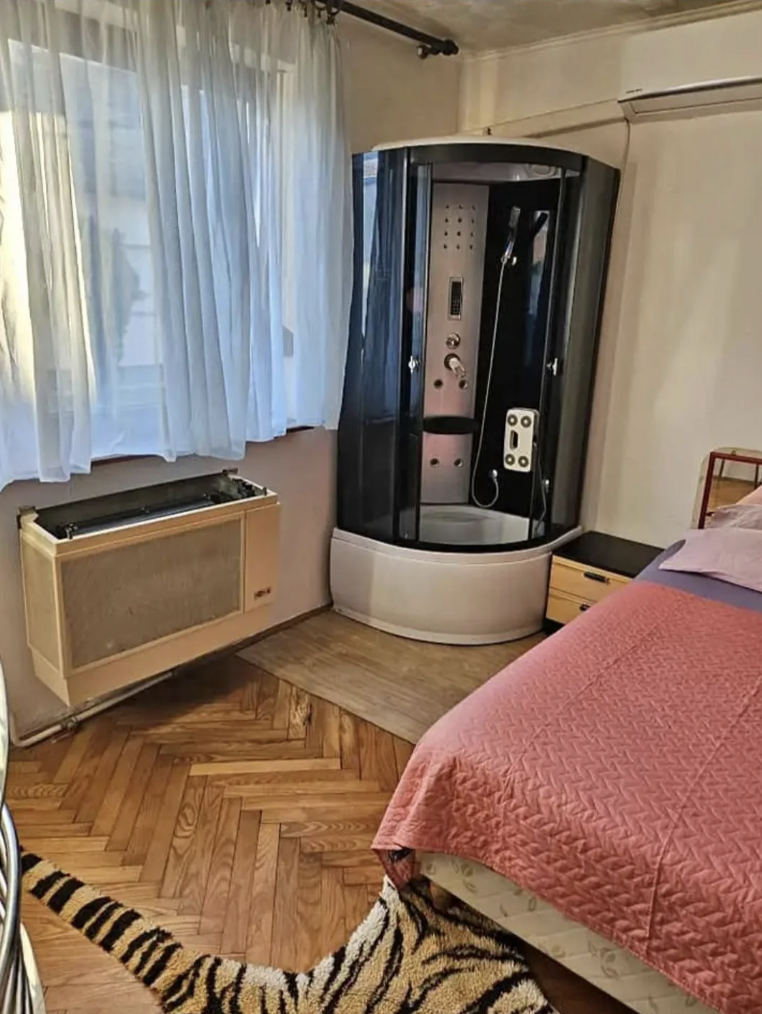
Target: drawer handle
x: 584, y: 607
x: 592, y: 576
x: 262, y: 592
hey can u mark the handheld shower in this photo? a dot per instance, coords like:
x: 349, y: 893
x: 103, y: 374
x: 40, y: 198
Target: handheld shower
x: 510, y: 240
x: 507, y: 257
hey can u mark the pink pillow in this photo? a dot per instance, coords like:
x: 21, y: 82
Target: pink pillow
x: 727, y: 554
x: 739, y: 515
x: 754, y: 497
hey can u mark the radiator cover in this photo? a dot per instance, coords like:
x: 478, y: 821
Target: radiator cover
x: 121, y: 588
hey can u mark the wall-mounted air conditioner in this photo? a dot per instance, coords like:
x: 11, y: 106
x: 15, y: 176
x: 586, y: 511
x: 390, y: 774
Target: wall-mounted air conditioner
x: 691, y: 70
x: 126, y: 586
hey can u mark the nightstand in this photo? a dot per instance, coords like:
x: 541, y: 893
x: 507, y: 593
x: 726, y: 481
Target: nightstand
x: 589, y: 569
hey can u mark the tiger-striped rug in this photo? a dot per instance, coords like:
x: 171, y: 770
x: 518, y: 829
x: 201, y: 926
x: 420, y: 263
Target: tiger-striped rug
x: 409, y: 956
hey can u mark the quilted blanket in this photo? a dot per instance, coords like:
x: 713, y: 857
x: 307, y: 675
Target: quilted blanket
x: 616, y: 772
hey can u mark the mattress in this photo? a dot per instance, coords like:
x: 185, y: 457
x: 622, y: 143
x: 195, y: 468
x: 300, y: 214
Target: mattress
x: 613, y: 772
x: 612, y: 969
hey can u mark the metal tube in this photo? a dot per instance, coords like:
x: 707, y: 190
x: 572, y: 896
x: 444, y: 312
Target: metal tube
x: 428, y: 45
x: 9, y: 940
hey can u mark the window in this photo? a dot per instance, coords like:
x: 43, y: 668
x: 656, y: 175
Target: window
x: 175, y: 230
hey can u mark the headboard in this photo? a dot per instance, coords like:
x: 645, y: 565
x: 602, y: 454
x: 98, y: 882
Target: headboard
x: 727, y: 475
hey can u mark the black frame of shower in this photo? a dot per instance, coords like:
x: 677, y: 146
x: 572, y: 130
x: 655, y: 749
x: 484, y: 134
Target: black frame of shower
x: 428, y: 45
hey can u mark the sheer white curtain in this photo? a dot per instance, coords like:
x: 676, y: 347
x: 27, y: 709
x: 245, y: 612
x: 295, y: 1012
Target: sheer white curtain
x: 175, y: 241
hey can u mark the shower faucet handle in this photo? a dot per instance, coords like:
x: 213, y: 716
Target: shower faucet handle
x: 453, y: 362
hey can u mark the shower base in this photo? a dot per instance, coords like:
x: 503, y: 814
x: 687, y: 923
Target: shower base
x: 445, y: 597
x: 463, y: 525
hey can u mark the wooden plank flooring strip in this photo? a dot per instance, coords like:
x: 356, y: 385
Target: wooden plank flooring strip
x: 318, y: 828
x: 221, y: 869
x: 113, y: 876
x: 99, y: 784
x: 309, y: 946
x: 108, y: 811
x: 197, y: 753
x: 21, y: 807
x: 276, y: 808
x: 84, y: 777
x: 246, y: 767
x: 75, y: 861
x: 182, y: 837
x: 150, y: 811
x: 333, y: 927
x: 192, y: 888
x: 338, y: 843
x: 273, y: 781
x: 323, y: 728
x: 350, y: 750
x: 402, y: 754
x: 341, y: 786
x: 77, y: 747
x: 285, y: 920
x: 356, y: 905
x: 235, y: 931
x: 59, y: 829
x: 46, y: 845
x: 269, y: 686
x: 161, y: 841
x: 40, y: 790
x: 133, y: 797
x: 372, y: 875
x: 282, y: 711
x: 260, y: 931
x: 52, y: 817
x: 299, y: 715
x: 250, y: 695
x: 377, y: 760
x: 344, y: 860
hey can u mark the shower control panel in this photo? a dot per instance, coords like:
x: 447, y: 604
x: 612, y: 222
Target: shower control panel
x: 520, y: 434
x: 455, y: 299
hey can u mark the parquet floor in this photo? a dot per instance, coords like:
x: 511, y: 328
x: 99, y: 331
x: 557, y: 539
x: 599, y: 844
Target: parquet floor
x: 234, y: 808
x: 404, y: 686
x: 238, y: 809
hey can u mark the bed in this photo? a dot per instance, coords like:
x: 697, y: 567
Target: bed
x: 602, y: 797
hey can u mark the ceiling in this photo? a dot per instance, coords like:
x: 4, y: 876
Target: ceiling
x: 497, y: 24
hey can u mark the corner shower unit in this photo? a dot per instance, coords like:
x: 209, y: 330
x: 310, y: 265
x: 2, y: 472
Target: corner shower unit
x: 479, y: 274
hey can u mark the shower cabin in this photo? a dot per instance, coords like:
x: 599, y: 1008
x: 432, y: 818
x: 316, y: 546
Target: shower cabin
x: 479, y: 274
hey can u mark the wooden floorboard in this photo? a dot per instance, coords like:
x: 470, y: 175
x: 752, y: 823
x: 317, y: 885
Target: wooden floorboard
x: 237, y: 809
x: 403, y: 686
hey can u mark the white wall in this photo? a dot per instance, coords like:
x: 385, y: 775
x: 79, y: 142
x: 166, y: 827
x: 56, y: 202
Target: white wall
x: 680, y: 352
x: 501, y: 87
x: 391, y: 94
x: 681, y: 359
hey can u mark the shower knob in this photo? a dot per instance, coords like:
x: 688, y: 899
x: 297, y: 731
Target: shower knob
x: 453, y: 362
x: 452, y: 341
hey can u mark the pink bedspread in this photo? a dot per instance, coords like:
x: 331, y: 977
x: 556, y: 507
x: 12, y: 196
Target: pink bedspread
x: 616, y: 771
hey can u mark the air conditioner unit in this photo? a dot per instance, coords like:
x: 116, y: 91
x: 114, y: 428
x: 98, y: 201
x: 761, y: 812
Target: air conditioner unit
x: 691, y: 70
x: 126, y: 586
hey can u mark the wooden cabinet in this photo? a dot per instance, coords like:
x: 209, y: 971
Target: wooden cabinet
x: 589, y: 569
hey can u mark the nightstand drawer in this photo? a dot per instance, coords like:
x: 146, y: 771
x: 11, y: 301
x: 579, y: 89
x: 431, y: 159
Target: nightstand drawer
x: 590, y: 584
x: 565, y: 608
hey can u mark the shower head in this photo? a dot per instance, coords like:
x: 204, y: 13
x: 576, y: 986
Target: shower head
x: 510, y: 240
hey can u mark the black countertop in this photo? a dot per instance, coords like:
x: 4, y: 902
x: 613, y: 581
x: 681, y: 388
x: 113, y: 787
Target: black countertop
x: 606, y: 552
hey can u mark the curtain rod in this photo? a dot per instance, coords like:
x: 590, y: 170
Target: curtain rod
x: 428, y: 45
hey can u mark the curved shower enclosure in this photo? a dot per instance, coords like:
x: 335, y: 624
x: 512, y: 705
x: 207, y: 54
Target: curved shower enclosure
x: 479, y: 274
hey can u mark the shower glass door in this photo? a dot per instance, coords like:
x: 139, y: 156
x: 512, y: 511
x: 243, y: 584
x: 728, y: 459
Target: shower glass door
x: 380, y: 424
x: 413, y: 373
